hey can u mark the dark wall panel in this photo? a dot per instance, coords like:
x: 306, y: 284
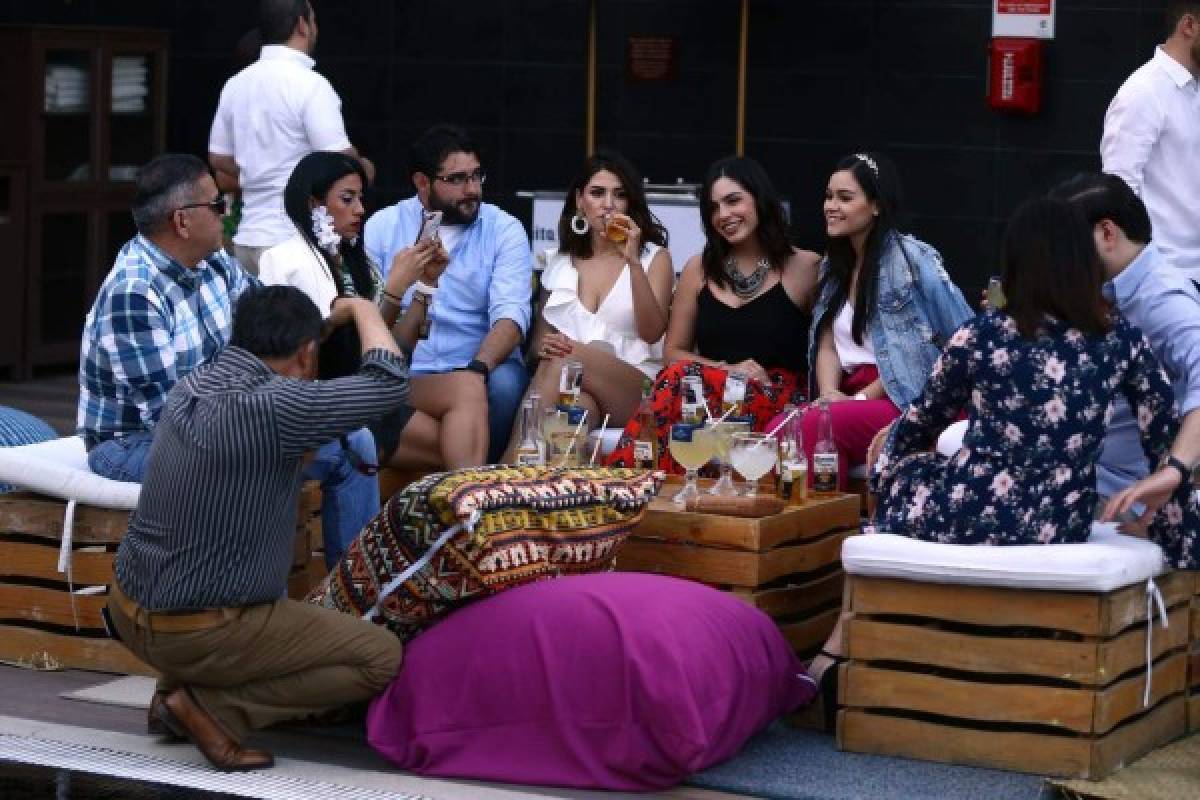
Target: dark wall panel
x: 826, y: 77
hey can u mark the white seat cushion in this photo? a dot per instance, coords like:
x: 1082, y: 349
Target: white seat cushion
x: 59, y: 468
x: 1107, y: 561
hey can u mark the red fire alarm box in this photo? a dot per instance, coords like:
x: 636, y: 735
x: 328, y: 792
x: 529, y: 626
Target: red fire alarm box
x: 1015, y: 75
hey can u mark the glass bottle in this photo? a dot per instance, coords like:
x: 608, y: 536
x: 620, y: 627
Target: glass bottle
x: 793, y: 464
x: 529, y: 453
x: 825, y: 455
x: 645, y: 446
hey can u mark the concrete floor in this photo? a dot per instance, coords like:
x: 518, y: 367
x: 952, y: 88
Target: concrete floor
x: 31, y: 707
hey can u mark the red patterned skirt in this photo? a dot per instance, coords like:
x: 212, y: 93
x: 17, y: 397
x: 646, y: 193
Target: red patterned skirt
x: 762, y: 402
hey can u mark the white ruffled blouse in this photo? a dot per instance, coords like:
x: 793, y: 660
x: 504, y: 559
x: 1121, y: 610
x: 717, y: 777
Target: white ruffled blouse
x: 613, y: 322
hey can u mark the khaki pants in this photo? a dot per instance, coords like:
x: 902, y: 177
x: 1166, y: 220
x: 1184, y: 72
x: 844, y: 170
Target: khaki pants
x: 269, y: 663
x: 248, y: 256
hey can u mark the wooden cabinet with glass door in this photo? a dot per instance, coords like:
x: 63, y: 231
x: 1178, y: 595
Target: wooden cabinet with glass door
x: 89, y: 110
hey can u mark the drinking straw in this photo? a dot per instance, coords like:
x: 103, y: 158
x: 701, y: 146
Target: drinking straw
x: 775, y: 430
x: 783, y: 421
x: 600, y: 438
x: 574, y: 436
x: 725, y: 416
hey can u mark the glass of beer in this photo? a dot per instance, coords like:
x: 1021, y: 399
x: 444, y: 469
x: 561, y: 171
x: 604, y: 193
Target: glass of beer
x: 753, y: 455
x: 569, y: 382
x: 692, y: 446
x: 615, y: 229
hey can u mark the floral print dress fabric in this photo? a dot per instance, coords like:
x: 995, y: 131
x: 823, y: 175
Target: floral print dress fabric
x: 1036, y: 414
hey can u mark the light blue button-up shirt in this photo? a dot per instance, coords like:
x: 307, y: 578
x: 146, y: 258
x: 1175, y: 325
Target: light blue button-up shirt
x: 1165, y: 304
x: 489, y: 278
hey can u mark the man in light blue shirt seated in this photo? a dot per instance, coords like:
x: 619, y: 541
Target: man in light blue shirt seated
x: 479, y: 311
x: 1160, y: 300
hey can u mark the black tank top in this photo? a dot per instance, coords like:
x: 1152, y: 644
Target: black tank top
x: 769, y: 329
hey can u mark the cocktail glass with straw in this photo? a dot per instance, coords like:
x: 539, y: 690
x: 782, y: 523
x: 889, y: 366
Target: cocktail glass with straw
x: 722, y: 431
x: 753, y: 455
x: 692, y: 446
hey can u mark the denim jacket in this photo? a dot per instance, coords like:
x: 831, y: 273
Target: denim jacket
x: 917, y: 310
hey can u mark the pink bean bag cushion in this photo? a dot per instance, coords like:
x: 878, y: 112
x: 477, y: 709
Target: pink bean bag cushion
x: 608, y: 681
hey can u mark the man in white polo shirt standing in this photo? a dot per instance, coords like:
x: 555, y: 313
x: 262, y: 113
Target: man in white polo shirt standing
x: 271, y: 114
x: 1152, y: 137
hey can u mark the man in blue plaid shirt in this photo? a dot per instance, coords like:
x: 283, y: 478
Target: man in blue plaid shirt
x: 166, y: 308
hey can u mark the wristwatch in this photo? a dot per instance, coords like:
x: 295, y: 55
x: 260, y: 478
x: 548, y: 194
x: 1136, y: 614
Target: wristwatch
x: 1185, y: 472
x: 475, y: 365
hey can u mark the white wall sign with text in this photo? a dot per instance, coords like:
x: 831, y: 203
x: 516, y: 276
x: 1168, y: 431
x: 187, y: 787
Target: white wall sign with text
x: 1032, y: 19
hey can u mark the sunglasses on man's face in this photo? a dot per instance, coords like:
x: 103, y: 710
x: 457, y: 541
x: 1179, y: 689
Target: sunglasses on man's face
x: 218, y: 206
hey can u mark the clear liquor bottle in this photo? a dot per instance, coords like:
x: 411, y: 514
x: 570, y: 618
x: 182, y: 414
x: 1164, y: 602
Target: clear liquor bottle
x: 529, y: 452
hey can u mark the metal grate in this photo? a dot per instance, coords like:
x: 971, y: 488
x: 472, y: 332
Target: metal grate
x: 265, y: 785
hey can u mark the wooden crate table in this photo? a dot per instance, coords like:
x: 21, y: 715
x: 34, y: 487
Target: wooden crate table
x: 1047, y: 682
x: 788, y: 564
x: 40, y: 626
x: 1193, y: 681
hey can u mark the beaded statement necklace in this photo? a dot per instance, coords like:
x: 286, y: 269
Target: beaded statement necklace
x: 745, y: 286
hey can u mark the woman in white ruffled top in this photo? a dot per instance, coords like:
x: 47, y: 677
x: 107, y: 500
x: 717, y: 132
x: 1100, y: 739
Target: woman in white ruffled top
x: 603, y: 302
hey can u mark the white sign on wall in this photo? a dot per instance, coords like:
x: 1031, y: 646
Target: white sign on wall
x: 680, y: 215
x: 1033, y: 19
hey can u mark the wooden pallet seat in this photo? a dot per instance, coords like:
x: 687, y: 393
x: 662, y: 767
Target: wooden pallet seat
x: 1066, y: 660
x: 51, y: 620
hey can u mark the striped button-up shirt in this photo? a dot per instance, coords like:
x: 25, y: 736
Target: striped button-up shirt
x: 216, y: 519
x: 154, y: 321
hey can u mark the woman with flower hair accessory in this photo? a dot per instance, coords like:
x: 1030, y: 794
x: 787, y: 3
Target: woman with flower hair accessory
x: 885, y: 307
x: 327, y: 261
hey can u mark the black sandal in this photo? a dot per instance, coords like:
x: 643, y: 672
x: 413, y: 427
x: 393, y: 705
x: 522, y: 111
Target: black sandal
x: 827, y: 687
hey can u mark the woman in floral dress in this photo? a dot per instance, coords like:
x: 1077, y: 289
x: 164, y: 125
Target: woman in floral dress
x: 1037, y: 380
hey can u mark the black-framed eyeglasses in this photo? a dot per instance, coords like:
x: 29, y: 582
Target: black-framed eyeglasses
x: 460, y: 178
x: 218, y: 206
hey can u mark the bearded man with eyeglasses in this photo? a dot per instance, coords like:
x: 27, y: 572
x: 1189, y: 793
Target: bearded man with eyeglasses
x: 467, y: 370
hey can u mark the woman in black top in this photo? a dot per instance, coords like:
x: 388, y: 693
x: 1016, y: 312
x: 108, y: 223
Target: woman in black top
x: 741, y: 307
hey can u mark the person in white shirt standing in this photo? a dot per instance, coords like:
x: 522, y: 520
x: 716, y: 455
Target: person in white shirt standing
x: 1152, y: 137
x: 270, y: 115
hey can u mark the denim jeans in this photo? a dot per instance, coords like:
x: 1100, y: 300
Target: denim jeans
x: 122, y: 458
x: 349, y: 499
x: 506, y: 386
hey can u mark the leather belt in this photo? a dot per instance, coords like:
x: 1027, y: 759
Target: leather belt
x: 169, y: 621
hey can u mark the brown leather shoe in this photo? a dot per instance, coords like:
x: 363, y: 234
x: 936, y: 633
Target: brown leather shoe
x: 155, y: 726
x: 182, y: 714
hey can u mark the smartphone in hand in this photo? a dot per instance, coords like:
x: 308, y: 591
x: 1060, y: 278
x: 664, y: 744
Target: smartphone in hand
x: 430, y: 222
x: 995, y: 294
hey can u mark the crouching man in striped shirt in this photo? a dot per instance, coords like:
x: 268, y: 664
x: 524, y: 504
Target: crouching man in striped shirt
x: 201, y: 571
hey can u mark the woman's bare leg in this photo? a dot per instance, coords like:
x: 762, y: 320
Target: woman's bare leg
x: 832, y: 647
x: 458, y: 401
x: 610, y: 386
x: 419, y: 447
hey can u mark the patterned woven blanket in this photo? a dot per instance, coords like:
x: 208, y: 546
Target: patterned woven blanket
x: 453, y: 537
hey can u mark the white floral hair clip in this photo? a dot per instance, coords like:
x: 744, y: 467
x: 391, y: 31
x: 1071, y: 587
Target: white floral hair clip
x: 870, y: 162
x: 328, y: 239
